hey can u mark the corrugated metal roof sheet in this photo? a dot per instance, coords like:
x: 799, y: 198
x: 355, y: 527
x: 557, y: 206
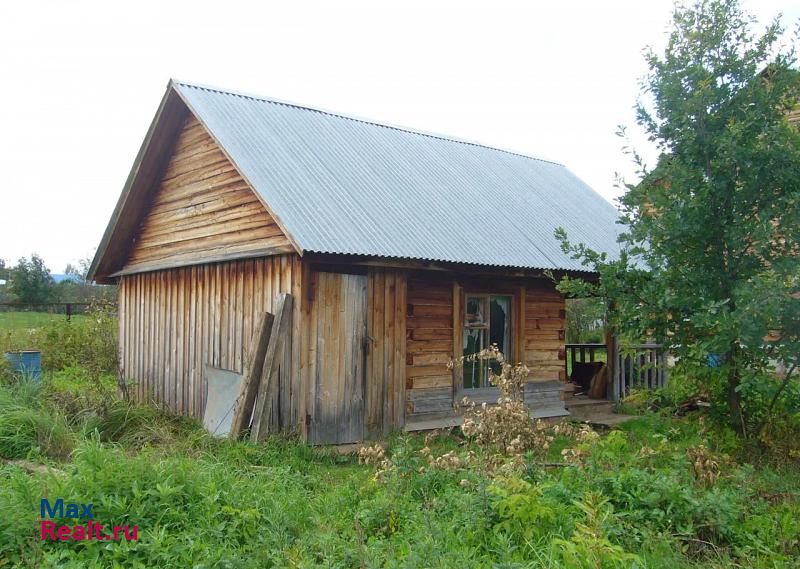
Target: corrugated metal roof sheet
x: 350, y: 186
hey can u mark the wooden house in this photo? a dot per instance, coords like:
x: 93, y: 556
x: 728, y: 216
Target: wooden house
x: 402, y: 250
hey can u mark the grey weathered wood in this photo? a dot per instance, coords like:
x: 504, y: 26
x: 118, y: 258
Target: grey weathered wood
x: 340, y: 315
x: 431, y: 421
x: 543, y: 398
x: 268, y: 384
x: 223, y: 386
x: 642, y: 365
x: 252, y: 374
x: 431, y: 400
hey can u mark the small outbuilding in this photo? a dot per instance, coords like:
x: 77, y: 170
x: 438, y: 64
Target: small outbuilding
x: 402, y: 250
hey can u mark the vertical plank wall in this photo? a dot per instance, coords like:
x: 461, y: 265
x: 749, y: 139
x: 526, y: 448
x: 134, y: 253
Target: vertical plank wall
x: 173, y: 322
x: 386, y: 347
x: 386, y: 358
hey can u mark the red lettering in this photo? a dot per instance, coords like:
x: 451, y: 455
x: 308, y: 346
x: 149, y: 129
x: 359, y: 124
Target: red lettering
x: 91, y: 530
x: 64, y: 533
x: 48, y: 529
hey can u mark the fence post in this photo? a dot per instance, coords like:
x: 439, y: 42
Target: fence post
x: 572, y: 359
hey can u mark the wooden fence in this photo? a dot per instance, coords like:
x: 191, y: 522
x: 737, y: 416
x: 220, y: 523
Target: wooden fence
x: 68, y: 309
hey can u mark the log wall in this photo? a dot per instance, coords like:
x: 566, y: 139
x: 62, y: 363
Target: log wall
x: 429, y: 333
x: 544, y: 331
x: 434, y: 335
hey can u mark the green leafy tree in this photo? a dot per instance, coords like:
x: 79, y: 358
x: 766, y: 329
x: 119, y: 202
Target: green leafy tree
x: 31, y: 281
x: 711, y: 260
x: 585, y: 320
x: 5, y: 292
x: 79, y: 272
x: 78, y: 289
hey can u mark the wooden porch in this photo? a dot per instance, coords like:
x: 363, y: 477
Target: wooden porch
x: 630, y: 367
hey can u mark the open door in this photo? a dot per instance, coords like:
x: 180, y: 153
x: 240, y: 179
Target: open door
x: 339, y: 324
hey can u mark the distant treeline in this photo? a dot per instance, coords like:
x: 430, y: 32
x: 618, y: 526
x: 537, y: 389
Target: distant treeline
x: 30, y: 282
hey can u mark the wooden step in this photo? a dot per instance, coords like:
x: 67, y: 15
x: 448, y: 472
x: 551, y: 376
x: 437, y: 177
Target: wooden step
x: 581, y: 409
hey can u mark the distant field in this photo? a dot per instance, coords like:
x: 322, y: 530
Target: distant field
x: 26, y: 320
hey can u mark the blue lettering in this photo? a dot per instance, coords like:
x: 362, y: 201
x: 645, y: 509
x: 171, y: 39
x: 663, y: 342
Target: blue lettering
x: 56, y: 510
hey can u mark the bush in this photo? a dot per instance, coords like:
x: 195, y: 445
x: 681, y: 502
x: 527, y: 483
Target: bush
x: 506, y: 427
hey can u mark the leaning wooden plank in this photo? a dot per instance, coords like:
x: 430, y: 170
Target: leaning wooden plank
x: 268, y: 385
x: 252, y: 375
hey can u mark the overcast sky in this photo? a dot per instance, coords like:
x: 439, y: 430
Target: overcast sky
x: 82, y: 80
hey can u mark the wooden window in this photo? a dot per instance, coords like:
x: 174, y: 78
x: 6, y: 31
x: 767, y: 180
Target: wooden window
x: 487, y: 321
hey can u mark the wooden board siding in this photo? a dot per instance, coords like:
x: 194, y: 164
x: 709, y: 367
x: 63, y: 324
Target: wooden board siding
x: 386, y: 353
x: 173, y: 322
x: 325, y: 306
x: 339, y: 318
x: 202, y: 210
x: 429, y: 346
x: 544, y: 331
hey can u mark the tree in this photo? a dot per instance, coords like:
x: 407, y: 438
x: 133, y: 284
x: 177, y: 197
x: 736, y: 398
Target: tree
x: 585, y: 320
x: 79, y: 272
x: 710, y: 260
x: 5, y: 293
x: 31, y: 281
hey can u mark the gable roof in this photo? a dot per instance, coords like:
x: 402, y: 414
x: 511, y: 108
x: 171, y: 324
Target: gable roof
x: 343, y: 185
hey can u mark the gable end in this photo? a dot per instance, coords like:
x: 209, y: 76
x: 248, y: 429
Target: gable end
x: 202, y: 210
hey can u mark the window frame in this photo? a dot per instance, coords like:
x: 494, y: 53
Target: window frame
x: 488, y: 394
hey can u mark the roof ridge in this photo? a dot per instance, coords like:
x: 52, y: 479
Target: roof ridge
x: 265, y: 99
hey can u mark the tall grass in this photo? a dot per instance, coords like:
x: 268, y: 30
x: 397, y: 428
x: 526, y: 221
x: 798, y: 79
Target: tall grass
x: 631, y: 498
x: 28, y: 428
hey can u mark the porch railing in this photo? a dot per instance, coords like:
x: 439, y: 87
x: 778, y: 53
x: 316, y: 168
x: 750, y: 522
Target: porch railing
x: 583, y: 353
x: 641, y: 366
